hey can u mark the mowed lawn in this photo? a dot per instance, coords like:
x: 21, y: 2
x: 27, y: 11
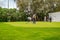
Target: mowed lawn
x: 29, y: 31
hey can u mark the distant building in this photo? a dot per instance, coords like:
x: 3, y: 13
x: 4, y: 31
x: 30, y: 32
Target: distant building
x: 55, y: 16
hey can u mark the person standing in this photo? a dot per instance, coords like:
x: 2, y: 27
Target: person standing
x: 44, y: 18
x: 34, y: 18
x: 50, y: 19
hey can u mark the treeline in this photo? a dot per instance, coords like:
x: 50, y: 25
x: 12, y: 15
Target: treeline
x: 11, y: 15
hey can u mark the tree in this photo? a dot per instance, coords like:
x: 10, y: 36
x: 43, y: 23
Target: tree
x: 39, y: 7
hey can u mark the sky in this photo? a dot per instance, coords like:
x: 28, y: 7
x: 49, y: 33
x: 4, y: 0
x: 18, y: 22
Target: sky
x: 4, y: 4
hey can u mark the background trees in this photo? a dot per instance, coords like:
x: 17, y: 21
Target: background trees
x: 39, y: 7
x: 28, y: 8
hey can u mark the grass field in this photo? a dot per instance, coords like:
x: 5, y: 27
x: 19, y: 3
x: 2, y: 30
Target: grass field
x: 29, y: 31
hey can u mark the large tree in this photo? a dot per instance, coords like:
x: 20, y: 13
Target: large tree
x: 40, y: 7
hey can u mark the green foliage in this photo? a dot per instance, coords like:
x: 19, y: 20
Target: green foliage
x: 11, y: 15
x: 39, y: 6
x: 57, y: 9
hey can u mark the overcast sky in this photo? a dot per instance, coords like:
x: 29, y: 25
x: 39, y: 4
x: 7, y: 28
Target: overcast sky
x: 4, y: 4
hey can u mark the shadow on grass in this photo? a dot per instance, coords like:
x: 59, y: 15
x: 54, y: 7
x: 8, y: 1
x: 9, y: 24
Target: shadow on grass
x: 53, y: 38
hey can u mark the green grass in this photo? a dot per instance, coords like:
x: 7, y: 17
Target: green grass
x: 29, y: 31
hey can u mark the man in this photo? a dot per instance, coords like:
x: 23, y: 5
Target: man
x: 34, y: 18
x: 45, y: 18
x: 50, y: 19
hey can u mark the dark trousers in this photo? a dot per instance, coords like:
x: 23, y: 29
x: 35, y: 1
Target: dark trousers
x: 33, y: 19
